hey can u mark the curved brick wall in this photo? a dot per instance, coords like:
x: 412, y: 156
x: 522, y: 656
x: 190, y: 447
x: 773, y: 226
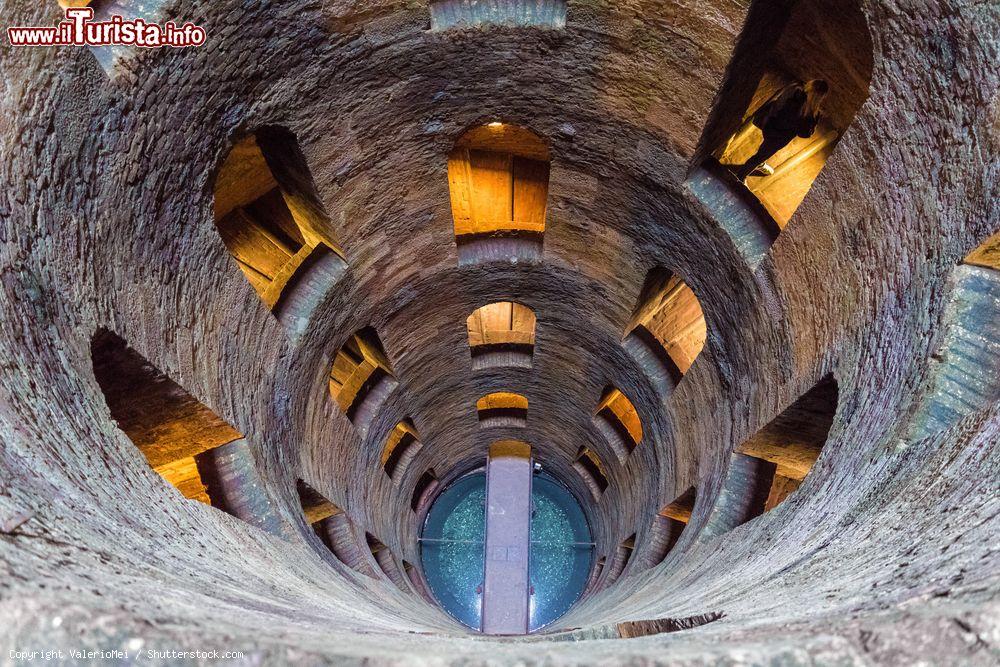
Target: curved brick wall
x: 887, y: 552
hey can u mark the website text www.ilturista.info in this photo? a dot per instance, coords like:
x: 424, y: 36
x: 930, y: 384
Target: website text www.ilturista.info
x: 79, y: 29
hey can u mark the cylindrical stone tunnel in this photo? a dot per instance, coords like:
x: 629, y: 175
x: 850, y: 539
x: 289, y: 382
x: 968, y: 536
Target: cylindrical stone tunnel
x: 520, y: 332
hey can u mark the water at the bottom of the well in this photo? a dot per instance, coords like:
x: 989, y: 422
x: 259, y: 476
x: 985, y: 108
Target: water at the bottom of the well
x: 452, y: 549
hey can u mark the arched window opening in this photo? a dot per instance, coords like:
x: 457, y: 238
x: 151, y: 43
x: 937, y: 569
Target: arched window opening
x: 169, y: 426
x: 182, y: 440
x: 424, y: 490
x: 339, y: 535
x: 387, y: 562
x: 269, y: 215
x: 502, y: 334
x: 461, y: 13
x: 499, y: 179
x: 589, y: 465
x: 964, y: 373
x: 315, y: 507
x: 772, y: 112
x: 768, y: 467
x: 593, y: 584
x: 667, y: 331
x: 361, y: 379
x: 332, y: 527
x: 618, y: 421
x: 634, y: 629
x: 502, y: 409
x: 417, y: 582
x: 668, y: 525
x: 622, y: 556
x: 400, y: 449
x: 986, y: 255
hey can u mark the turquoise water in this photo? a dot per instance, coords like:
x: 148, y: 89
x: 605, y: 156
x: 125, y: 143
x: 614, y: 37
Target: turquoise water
x: 452, y: 550
x: 454, y: 568
x: 560, y: 550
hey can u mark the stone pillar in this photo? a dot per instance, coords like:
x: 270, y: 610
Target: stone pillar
x: 508, y: 539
